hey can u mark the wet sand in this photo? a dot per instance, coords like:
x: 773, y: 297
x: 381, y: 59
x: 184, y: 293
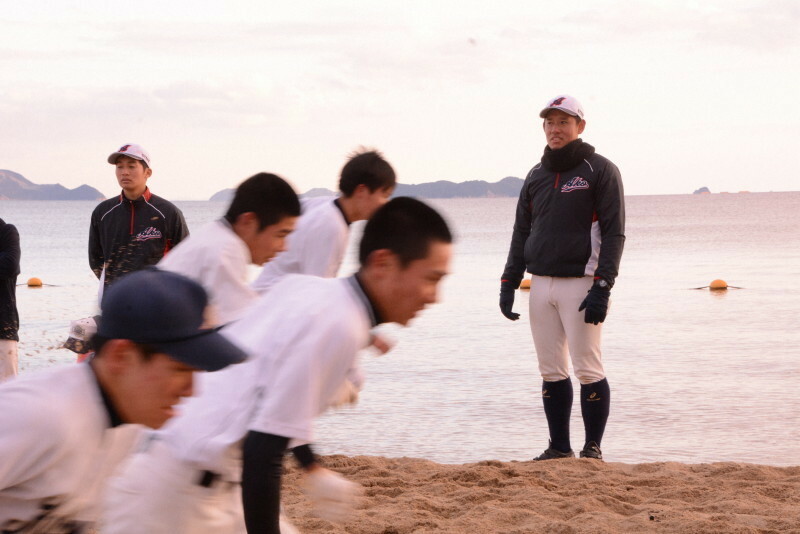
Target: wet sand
x: 407, y: 495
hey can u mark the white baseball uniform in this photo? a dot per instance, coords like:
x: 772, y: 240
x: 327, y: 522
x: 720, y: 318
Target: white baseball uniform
x: 57, y: 448
x: 303, y: 340
x: 216, y: 258
x: 317, y: 245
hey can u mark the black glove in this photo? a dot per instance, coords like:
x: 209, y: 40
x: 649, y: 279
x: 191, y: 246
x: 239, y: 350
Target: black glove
x: 507, y: 300
x: 596, y: 303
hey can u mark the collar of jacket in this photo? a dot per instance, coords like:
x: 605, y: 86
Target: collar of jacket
x: 146, y: 195
x: 567, y: 157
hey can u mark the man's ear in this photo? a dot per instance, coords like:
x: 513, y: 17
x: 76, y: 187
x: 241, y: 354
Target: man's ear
x: 382, y: 261
x: 245, y: 224
x: 581, y: 126
x: 361, y: 190
x: 119, y: 355
x: 148, y: 172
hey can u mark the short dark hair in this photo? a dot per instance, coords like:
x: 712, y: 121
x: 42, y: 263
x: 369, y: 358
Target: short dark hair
x: 97, y: 342
x: 267, y: 195
x: 369, y: 168
x: 405, y: 226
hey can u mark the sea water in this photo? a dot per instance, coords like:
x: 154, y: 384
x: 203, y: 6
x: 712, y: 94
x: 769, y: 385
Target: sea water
x: 695, y: 375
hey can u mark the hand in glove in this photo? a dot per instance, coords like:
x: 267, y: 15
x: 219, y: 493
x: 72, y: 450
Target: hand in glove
x: 507, y: 300
x: 596, y: 302
x: 333, y: 497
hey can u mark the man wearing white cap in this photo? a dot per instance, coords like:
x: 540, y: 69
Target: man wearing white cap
x: 569, y: 234
x: 135, y: 229
x: 65, y: 429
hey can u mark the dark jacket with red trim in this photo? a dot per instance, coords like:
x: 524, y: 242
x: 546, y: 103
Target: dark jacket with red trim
x: 570, y: 218
x: 9, y: 269
x: 128, y: 235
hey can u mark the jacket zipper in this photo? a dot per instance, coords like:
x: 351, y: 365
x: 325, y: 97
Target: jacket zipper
x: 558, y: 177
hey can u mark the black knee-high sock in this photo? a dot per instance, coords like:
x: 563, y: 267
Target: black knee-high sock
x: 595, y: 405
x: 557, y: 399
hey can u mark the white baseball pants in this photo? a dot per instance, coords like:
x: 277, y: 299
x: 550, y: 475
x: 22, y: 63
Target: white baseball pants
x: 560, y: 332
x: 157, y: 493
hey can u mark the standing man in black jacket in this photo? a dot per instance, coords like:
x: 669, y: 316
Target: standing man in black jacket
x: 569, y: 233
x: 9, y: 318
x: 135, y: 229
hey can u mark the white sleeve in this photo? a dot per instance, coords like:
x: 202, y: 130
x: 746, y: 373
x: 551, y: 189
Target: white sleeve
x: 29, y: 436
x: 322, y: 249
x: 305, y: 377
x: 225, y: 279
x: 222, y: 271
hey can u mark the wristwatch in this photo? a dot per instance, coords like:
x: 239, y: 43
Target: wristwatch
x: 601, y: 283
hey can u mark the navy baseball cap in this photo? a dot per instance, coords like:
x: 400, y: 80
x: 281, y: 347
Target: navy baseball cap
x: 166, y: 311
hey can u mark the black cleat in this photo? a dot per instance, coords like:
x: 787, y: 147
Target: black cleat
x: 592, y: 450
x: 554, y: 454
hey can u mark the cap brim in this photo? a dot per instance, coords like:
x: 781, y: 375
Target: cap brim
x: 545, y: 111
x: 112, y: 159
x: 77, y: 345
x: 210, y: 351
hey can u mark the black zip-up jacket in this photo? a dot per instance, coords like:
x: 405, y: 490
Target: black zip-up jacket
x: 128, y: 235
x: 570, y: 222
x: 9, y: 269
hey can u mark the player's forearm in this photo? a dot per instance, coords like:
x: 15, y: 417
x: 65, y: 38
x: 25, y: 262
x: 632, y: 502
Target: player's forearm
x: 262, y: 456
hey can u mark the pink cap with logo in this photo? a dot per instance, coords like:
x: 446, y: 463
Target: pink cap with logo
x: 132, y: 151
x: 565, y: 103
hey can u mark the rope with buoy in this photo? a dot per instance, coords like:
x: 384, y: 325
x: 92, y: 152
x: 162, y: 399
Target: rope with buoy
x: 36, y: 282
x: 717, y: 285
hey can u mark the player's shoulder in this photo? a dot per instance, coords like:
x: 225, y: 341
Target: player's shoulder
x: 8, y: 230
x: 213, y: 242
x: 309, y: 204
x: 45, y: 395
x: 600, y: 163
x: 322, y: 210
x: 212, y: 231
x: 304, y: 294
x: 162, y: 203
x: 107, y: 204
x: 322, y: 225
x: 535, y: 172
x: 296, y: 283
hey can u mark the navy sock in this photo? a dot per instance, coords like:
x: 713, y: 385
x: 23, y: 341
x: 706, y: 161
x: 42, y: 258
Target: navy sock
x: 595, y: 405
x: 557, y: 399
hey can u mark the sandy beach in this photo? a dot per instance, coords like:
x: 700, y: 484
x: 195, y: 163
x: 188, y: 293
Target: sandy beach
x: 407, y: 495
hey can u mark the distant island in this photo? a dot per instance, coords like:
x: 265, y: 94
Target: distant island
x: 14, y: 186
x: 507, y: 187
x: 701, y: 191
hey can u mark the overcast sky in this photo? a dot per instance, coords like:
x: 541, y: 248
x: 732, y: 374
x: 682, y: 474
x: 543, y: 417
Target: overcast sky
x: 679, y: 94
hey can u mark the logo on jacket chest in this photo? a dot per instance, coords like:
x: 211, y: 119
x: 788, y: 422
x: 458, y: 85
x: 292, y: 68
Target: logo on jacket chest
x: 148, y: 234
x: 574, y: 184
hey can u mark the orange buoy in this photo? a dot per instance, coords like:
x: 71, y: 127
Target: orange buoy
x: 34, y: 282
x: 718, y: 285
x: 526, y: 284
